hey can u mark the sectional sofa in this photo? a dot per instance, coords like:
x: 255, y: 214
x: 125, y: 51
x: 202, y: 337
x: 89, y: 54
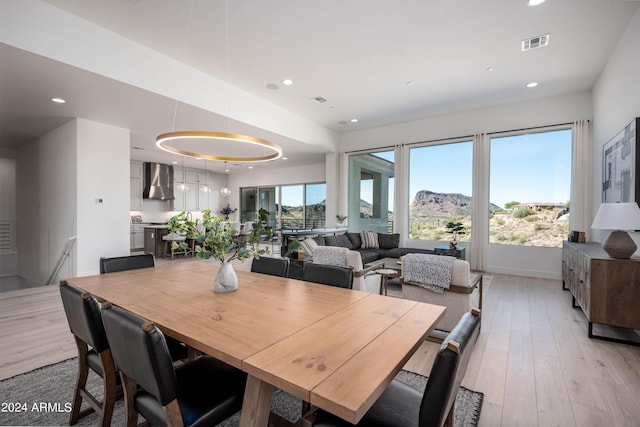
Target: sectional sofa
x: 375, y: 246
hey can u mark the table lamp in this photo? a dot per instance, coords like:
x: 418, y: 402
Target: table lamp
x: 619, y: 217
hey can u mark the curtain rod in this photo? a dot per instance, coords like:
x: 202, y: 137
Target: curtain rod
x: 457, y: 137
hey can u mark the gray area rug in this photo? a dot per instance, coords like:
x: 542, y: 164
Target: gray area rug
x: 43, y: 397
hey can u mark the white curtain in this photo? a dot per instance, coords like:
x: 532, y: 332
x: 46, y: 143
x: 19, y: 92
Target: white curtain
x: 480, y: 201
x: 581, y: 208
x: 401, y: 190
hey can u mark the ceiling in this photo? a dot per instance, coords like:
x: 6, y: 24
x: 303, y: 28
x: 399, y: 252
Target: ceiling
x: 379, y: 62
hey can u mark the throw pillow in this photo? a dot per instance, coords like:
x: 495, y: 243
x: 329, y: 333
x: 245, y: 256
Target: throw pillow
x: 388, y: 241
x: 355, y: 240
x: 308, y: 245
x: 343, y: 241
x: 369, y: 239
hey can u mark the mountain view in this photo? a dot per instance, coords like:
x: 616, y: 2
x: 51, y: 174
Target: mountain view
x: 526, y: 224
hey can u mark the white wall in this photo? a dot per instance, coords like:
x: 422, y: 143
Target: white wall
x: 616, y: 102
x: 59, y: 177
x: 536, y: 262
x: 102, y: 172
x: 28, y: 213
x: 57, y: 205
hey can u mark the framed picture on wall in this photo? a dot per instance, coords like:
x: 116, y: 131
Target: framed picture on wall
x: 620, y: 167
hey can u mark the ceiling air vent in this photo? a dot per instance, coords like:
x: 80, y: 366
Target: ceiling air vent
x: 319, y: 99
x: 535, y: 42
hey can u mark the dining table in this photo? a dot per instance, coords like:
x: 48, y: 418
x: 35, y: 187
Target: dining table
x: 335, y: 348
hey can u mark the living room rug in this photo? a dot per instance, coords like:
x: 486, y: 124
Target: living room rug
x: 43, y: 397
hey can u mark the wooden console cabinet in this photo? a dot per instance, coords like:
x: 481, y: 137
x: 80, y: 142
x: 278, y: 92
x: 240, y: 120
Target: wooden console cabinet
x: 607, y: 289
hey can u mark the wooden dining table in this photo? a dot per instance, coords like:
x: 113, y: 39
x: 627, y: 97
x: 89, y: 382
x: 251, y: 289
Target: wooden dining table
x: 335, y: 348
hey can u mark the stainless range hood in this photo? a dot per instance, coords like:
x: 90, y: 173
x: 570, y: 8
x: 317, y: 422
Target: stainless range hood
x: 158, y: 181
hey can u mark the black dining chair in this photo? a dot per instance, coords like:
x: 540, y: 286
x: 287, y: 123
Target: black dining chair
x: 85, y: 322
x: 202, y: 391
x: 328, y: 275
x: 401, y: 405
x: 179, y: 351
x: 272, y: 266
x: 130, y: 262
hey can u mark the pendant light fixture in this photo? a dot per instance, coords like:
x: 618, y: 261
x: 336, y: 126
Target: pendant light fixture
x: 183, y: 185
x: 226, y: 191
x: 270, y: 151
x: 206, y: 186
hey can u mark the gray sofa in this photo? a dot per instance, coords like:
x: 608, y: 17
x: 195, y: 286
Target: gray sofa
x: 387, y: 246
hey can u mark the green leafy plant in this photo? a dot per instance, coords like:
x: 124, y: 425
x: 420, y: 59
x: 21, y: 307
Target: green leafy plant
x: 293, y: 247
x: 455, y: 229
x: 340, y: 218
x: 219, y: 241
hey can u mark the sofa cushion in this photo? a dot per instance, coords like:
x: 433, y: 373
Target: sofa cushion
x: 340, y: 241
x: 388, y: 241
x: 368, y: 255
x: 319, y: 240
x: 356, y: 242
x: 399, y: 252
x: 369, y: 239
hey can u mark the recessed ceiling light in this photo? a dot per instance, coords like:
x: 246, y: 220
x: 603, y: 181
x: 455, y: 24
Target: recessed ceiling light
x: 354, y: 120
x: 283, y: 158
x: 250, y: 167
x: 535, y: 2
x: 287, y: 82
x: 532, y: 84
x: 490, y: 69
x: 410, y: 83
x: 58, y: 100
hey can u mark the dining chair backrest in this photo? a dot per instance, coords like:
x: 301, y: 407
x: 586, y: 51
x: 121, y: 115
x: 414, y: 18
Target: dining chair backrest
x: 448, y: 370
x: 247, y: 227
x: 130, y: 262
x: 269, y: 265
x: 332, y: 275
x: 140, y: 352
x: 83, y: 315
x: 85, y: 321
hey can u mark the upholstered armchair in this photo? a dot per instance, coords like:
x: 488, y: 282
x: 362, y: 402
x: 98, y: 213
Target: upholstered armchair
x: 463, y: 294
x: 364, y: 279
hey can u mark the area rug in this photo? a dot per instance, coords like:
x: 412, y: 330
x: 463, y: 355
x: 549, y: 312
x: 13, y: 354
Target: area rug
x: 43, y: 397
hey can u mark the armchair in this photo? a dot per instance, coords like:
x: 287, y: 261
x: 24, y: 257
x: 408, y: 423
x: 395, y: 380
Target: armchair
x: 463, y: 294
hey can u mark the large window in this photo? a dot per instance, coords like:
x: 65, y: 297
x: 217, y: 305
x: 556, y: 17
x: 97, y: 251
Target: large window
x: 371, y: 195
x: 530, y: 180
x: 440, y: 183
x: 300, y: 206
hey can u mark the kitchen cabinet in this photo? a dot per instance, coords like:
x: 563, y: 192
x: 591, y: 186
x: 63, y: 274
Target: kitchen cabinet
x: 136, y: 186
x: 137, y: 237
x: 193, y: 197
x: 153, y: 243
x: 136, y: 194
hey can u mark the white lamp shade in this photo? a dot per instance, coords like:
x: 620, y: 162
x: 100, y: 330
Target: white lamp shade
x: 617, y: 216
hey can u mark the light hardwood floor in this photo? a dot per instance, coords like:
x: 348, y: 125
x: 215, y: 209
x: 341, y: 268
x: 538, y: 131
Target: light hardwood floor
x: 533, y: 360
